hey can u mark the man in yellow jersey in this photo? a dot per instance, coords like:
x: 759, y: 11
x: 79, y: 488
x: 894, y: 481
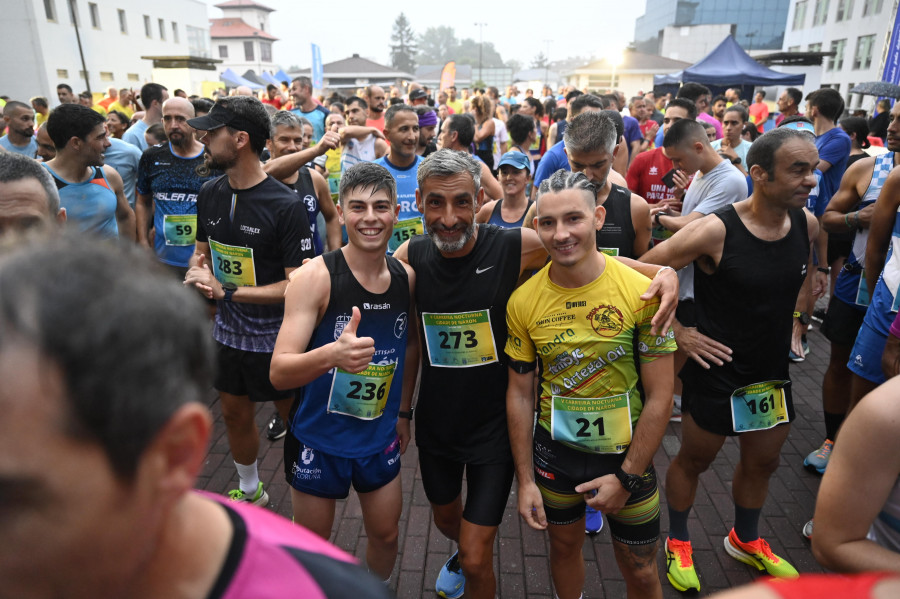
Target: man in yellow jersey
x: 598, y: 430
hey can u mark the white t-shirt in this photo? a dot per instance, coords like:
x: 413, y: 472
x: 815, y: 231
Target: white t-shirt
x: 721, y: 186
x: 501, y: 137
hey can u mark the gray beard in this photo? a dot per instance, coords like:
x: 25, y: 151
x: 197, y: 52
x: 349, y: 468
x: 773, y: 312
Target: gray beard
x: 450, y: 247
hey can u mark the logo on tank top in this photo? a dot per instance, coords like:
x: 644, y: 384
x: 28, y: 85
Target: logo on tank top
x: 307, y: 456
x: 339, y: 323
x: 607, y: 321
x: 310, y: 203
x: 368, y: 306
x: 400, y: 325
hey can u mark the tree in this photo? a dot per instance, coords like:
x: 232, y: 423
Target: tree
x: 539, y: 62
x: 437, y: 45
x: 403, y: 48
x: 468, y: 52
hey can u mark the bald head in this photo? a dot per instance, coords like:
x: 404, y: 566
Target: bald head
x: 243, y: 90
x: 175, y: 113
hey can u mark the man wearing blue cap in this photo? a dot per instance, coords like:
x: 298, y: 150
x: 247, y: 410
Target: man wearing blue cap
x: 510, y: 211
x: 252, y: 232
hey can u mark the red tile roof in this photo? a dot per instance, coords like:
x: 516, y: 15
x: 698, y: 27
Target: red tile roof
x: 223, y: 28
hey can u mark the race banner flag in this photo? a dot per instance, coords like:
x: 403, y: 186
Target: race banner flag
x: 448, y: 75
x: 318, y: 74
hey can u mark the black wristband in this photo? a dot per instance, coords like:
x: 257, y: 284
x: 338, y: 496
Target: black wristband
x: 407, y: 415
x: 522, y: 367
x: 827, y: 271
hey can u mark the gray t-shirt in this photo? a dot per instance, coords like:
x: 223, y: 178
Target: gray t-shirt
x: 721, y: 186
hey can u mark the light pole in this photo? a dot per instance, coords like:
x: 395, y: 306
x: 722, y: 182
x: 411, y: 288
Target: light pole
x: 480, y: 49
x: 547, y: 63
x: 615, y: 59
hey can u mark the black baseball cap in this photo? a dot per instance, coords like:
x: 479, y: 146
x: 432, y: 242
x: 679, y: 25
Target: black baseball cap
x: 417, y: 94
x: 220, y: 116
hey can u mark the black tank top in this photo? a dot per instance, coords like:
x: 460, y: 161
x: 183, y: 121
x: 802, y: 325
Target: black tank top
x: 748, y: 303
x: 616, y: 238
x: 461, y: 412
x: 497, y: 216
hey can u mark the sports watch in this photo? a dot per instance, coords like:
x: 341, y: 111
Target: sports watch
x: 229, y: 288
x: 631, y: 482
x: 803, y: 317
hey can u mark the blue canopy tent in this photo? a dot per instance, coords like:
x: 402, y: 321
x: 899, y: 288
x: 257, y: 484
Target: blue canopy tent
x: 729, y: 66
x: 267, y: 76
x: 232, y: 79
x: 282, y: 76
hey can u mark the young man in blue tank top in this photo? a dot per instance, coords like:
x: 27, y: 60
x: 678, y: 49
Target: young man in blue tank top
x: 345, y: 343
x: 751, y: 263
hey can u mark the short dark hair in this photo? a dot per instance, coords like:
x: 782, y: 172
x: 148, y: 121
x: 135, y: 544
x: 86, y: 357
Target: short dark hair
x: 13, y: 105
x: 123, y: 118
x: 719, y: 98
x: 368, y: 174
x: 102, y: 333
x: 64, y: 86
x: 303, y: 81
x: 859, y: 126
x: 741, y: 110
x: 519, y: 126
x: 391, y: 113
x: 203, y: 105
x: 151, y: 92
x: 692, y: 91
x: 562, y: 180
x: 762, y: 152
x: 156, y: 130
x: 71, y: 120
x: 828, y: 101
x: 688, y: 105
x: 685, y: 131
x: 40, y: 101
x: 583, y: 101
x: 253, y: 111
x: 270, y: 87
x: 795, y: 94
x: 572, y: 95
x: 357, y: 100
x: 464, y: 126
x: 16, y: 167
x: 536, y: 104
x: 608, y: 99
x: 762, y: 92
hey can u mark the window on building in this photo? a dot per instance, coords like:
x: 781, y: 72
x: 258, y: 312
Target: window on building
x: 50, y: 10
x: 123, y: 22
x: 836, y: 63
x: 248, y: 51
x: 175, y: 32
x: 844, y: 10
x: 872, y: 7
x: 265, y: 51
x: 148, y: 31
x: 82, y: 75
x: 62, y: 73
x: 223, y: 51
x: 133, y: 77
x: 198, y: 42
x: 106, y: 76
x: 162, y: 29
x: 73, y: 12
x: 821, y: 14
x: 793, y: 48
x: 799, y: 14
x: 815, y: 47
x: 95, y: 15
x: 863, y: 57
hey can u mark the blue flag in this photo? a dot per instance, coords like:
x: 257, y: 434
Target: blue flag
x: 318, y: 73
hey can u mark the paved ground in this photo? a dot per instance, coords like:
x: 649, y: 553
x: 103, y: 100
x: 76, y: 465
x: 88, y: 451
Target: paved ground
x: 521, y: 553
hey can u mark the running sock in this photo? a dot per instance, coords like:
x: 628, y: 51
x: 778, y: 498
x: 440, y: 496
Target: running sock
x: 746, y: 523
x: 678, y: 529
x: 676, y: 400
x: 832, y: 424
x: 249, y: 477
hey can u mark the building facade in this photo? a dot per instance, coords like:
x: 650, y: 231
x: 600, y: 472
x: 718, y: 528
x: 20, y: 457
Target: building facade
x: 855, y: 30
x: 633, y: 75
x: 759, y: 25
x: 42, y: 49
x: 241, y: 38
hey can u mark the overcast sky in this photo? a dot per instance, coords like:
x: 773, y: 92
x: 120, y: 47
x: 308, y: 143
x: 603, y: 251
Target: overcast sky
x: 517, y: 29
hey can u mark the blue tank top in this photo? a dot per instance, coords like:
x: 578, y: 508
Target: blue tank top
x: 90, y: 205
x: 882, y: 311
x: 850, y: 287
x: 356, y: 415
x: 406, y: 186
x: 497, y: 217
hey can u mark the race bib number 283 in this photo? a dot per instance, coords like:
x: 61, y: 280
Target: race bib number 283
x: 233, y: 264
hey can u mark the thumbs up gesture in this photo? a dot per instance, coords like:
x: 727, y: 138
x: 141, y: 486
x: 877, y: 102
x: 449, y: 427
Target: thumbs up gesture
x: 352, y: 353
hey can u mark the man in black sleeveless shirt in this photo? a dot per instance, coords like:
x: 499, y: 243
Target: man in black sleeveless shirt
x: 626, y: 230
x: 751, y: 261
x: 465, y: 274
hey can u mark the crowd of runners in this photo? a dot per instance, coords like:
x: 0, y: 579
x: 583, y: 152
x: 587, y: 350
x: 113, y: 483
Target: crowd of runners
x: 533, y: 284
